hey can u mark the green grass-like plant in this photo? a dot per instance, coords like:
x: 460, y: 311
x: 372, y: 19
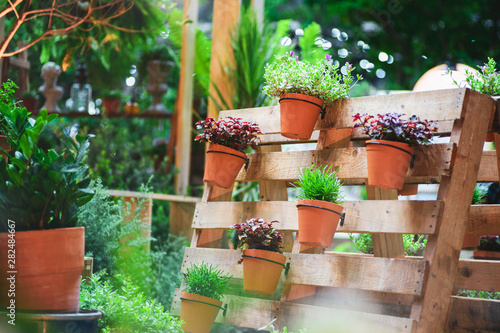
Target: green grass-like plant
x: 206, y: 281
x: 319, y: 184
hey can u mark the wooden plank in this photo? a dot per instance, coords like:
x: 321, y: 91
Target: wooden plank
x: 184, y: 103
x: 402, y: 276
x: 387, y: 216
x: 488, y: 169
x: 478, y: 275
x: 484, y: 220
x: 386, y: 245
x: 441, y: 105
x: 154, y: 196
x: 456, y: 191
x: 181, y: 217
x: 430, y: 163
x: 473, y: 315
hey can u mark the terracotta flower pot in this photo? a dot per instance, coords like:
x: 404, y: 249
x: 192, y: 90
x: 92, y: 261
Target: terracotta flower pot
x: 198, y: 317
x: 30, y: 103
x: 4, y: 145
x: 298, y: 115
x: 111, y: 105
x: 388, y: 163
x: 261, y: 277
x: 48, y: 265
x: 471, y: 241
x: 490, y: 137
x: 487, y: 255
x: 222, y: 165
x: 408, y: 189
x: 317, y: 225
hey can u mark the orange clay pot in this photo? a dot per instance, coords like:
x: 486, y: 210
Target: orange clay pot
x: 221, y: 168
x: 408, y: 189
x: 298, y: 115
x: 471, y: 241
x: 317, y: 226
x: 486, y: 255
x: 198, y: 317
x: 111, y: 105
x: 261, y: 277
x: 49, y: 264
x: 4, y: 145
x: 387, y: 166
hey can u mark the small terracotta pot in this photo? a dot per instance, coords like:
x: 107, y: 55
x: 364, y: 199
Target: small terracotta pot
x: 111, y: 105
x: 4, y: 145
x: 317, y: 226
x: 261, y: 277
x: 198, y: 317
x: 490, y: 137
x: 387, y: 165
x: 48, y: 266
x: 31, y: 104
x: 299, y: 114
x: 487, y: 255
x: 408, y: 189
x: 471, y: 241
x: 222, y: 165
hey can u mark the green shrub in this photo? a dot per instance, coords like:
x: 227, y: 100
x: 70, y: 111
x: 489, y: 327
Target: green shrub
x: 316, y: 183
x: 206, y: 281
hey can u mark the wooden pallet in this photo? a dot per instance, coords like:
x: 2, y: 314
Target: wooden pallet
x: 384, y: 292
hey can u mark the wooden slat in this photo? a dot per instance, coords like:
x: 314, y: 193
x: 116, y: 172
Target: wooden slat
x: 484, y: 220
x: 430, y: 163
x: 473, y: 315
x: 442, y: 105
x: 388, y: 216
x: 478, y: 275
x: 403, y: 276
x: 155, y: 196
x: 488, y: 170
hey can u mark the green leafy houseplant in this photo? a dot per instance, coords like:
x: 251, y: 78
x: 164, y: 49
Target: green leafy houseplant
x: 319, y: 205
x: 258, y: 234
x: 112, y: 94
x: 321, y: 79
x: 487, y: 81
x: 206, y: 281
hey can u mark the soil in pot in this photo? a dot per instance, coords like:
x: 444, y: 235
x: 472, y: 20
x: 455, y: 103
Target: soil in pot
x: 298, y: 115
x: 222, y: 165
x: 261, y: 277
x: 198, y: 312
x: 388, y: 163
x: 318, y: 221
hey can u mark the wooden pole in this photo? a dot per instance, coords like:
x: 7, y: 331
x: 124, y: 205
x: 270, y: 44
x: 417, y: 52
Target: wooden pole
x: 226, y: 14
x: 184, y: 107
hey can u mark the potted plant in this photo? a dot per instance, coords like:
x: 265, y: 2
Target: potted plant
x: 201, y: 298
x: 319, y: 205
x: 30, y: 100
x: 478, y: 198
x: 262, y: 257
x: 40, y: 249
x: 111, y: 101
x: 304, y: 89
x: 390, y: 150
x: 228, y: 140
x: 489, y: 248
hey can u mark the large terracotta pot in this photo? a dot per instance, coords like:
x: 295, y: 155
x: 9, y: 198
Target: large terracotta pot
x: 45, y: 275
x: 388, y: 163
x: 222, y: 165
x: 408, y: 189
x: 298, y: 115
x: 4, y: 145
x: 318, y: 221
x: 261, y: 277
x: 198, y: 312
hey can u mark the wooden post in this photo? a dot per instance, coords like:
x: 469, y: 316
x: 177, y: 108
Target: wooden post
x: 226, y: 15
x: 185, y: 98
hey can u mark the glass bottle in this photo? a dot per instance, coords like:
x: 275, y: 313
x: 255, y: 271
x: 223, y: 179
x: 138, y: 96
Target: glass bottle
x: 81, y: 91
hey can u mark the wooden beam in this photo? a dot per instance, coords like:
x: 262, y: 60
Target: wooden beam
x: 478, y: 275
x: 456, y: 191
x: 184, y: 117
x: 226, y: 14
x: 473, y: 315
x: 484, y: 220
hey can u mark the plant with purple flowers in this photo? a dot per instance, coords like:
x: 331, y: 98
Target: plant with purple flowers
x: 321, y: 79
x: 391, y: 127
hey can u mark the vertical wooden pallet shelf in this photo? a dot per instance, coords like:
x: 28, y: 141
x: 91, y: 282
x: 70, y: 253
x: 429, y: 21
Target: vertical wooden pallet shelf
x: 335, y: 292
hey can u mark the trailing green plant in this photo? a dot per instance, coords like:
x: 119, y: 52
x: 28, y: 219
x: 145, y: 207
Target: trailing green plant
x: 320, y: 79
x: 480, y: 195
x: 319, y: 183
x: 256, y: 233
x: 486, y: 81
x: 126, y: 308
x: 391, y: 127
x: 112, y: 94
x: 413, y: 244
x: 38, y: 189
x: 206, y: 281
